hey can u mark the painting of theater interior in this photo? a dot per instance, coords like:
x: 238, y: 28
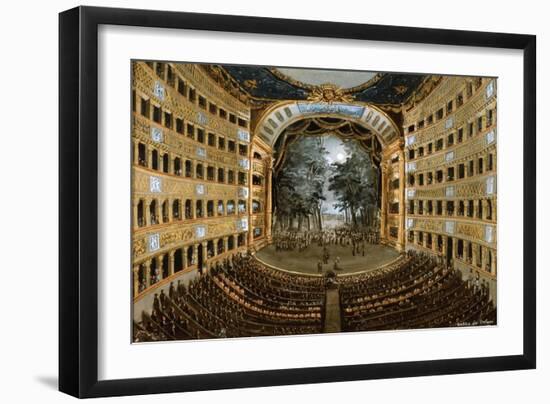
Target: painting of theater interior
x: 270, y: 201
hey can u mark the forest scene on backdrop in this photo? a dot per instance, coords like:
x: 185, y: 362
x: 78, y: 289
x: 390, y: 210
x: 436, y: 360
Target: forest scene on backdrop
x: 325, y: 182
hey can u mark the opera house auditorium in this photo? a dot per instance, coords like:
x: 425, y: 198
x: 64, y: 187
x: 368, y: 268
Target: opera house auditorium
x: 276, y: 201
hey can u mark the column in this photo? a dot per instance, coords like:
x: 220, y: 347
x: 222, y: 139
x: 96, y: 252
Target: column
x: 493, y: 262
x: 171, y: 260
x: 159, y: 259
x: 268, y: 201
x: 485, y: 205
x: 135, y: 271
x: 161, y: 161
x: 135, y: 214
x: 215, y: 243
x: 484, y: 258
x: 184, y: 257
x: 170, y: 165
x: 455, y: 248
x: 147, y: 266
x: 205, y: 260
x: 135, y: 157
x: 147, y: 202
x: 149, y: 157
x: 250, y: 194
x: 383, y: 199
x: 401, y: 239
x: 196, y: 254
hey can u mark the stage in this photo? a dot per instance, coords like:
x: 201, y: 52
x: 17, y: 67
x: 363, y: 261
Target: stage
x: 376, y: 256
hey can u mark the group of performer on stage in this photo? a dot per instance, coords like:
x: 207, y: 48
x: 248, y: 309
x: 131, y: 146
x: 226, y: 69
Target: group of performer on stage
x: 356, y: 239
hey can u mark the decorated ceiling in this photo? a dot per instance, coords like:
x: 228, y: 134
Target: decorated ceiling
x: 264, y: 83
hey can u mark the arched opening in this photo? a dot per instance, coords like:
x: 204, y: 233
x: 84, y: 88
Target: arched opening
x: 449, y: 252
x: 220, y: 247
x: 177, y: 166
x: 142, y: 278
x: 190, y: 256
x: 155, y: 160
x: 178, y: 260
x: 188, y: 168
x: 198, y: 209
x: 141, y: 213
x: 241, y: 240
x: 242, y: 178
x: 199, y: 171
x: 221, y: 208
x: 153, y: 212
x: 242, y: 207
x: 153, y: 271
x: 221, y: 175
x: 480, y: 209
x: 450, y: 208
x: 257, y: 180
x: 210, y: 208
x: 176, y: 210
x: 256, y: 206
x: 460, y: 249
x: 200, y: 258
x: 257, y: 232
x: 210, y: 173
x: 165, y: 266
x: 210, y: 252
x: 165, y: 163
x: 165, y: 216
x: 142, y: 155
x: 230, y: 207
x: 188, y: 209
x: 230, y: 243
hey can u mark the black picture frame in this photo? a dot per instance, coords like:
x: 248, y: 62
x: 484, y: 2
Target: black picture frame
x: 78, y: 201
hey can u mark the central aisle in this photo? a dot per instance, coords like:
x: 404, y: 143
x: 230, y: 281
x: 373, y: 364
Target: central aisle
x: 332, y: 311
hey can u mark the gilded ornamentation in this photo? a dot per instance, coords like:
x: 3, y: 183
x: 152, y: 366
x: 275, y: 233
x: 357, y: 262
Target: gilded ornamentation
x: 329, y: 93
x: 400, y: 90
x: 251, y: 84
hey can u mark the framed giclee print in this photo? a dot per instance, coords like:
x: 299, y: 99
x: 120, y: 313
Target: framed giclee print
x: 250, y: 202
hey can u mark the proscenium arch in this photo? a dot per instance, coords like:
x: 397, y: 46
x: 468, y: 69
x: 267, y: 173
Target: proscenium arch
x: 280, y: 116
x: 276, y: 119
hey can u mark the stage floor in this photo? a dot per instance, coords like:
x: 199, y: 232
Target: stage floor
x: 376, y: 255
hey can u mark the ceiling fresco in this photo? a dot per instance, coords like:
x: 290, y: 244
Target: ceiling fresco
x: 266, y: 83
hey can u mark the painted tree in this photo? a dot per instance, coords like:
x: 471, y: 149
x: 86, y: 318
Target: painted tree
x: 354, y: 183
x: 299, y: 185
